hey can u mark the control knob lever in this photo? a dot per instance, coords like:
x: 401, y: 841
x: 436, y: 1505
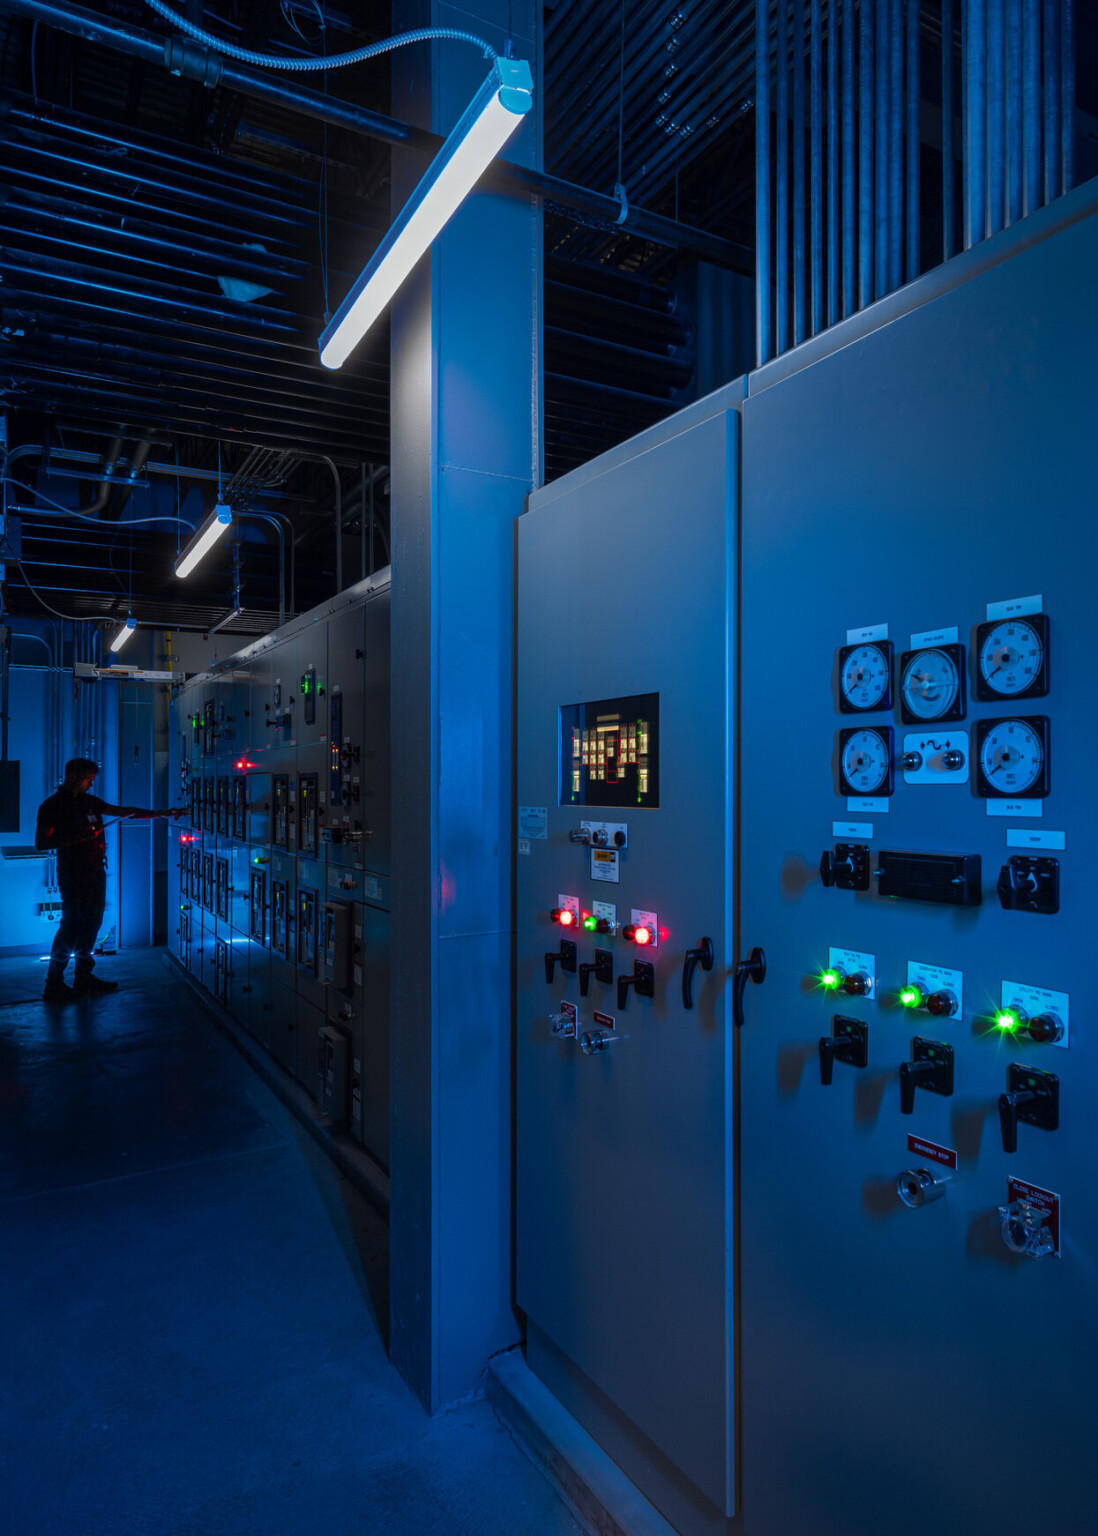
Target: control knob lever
x: 1032, y: 1097
x: 848, y: 1042
x: 642, y: 980
x: 930, y: 1067
x: 702, y: 956
x: 565, y: 955
x: 602, y: 968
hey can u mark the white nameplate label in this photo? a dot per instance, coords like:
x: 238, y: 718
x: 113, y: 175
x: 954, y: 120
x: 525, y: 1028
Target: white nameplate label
x: 1024, y: 837
x: 874, y: 803
x: 1015, y: 807
x: 1015, y: 607
x: 870, y: 632
x: 852, y: 829
x: 934, y: 637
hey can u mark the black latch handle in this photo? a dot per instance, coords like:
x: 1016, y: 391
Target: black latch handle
x: 702, y: 956
x: 751, y: 969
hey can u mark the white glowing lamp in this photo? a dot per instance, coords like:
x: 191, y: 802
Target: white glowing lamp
x: 487, y: 123
x: 204, y: 538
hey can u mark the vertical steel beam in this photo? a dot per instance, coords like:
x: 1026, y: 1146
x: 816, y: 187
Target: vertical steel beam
x: 1014, y: 117
x: 996, y: 119
x: 800, y: 262
x: 865, y: 154
x: 460, y: 475
x: 896, y: 146
x: 949, y: 156
x: 1051, y: 85
x: 762, y: 182
x: 850, y: 227
x: 913, y: 94
x: 816, y: 159
x: 1067, y: 96
x: 781, y: 189
x: 880, y: 222
x: 1031, y: 104
x: 975, y: 167
x: 833, y: 276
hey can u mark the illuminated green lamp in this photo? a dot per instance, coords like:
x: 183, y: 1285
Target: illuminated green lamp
x: 831, y: 979
x: 590, y: 922
x: 1008, y: 1020
x: 911, y: 996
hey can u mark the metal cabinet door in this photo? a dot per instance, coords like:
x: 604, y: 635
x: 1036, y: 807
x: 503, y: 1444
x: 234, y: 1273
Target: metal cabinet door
x: 623, y: 1200
x: 904, y: 1371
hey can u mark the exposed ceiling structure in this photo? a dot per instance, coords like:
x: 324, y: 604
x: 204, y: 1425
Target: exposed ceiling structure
x: 170, y: 250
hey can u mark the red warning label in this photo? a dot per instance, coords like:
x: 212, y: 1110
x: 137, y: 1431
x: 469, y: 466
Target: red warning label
x: 605, y: 1020
x: 945, y: 1157
x: 1043, y: 1200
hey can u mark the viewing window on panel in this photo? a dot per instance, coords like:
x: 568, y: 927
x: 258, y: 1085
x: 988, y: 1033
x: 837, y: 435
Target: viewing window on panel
x: 610, y: 752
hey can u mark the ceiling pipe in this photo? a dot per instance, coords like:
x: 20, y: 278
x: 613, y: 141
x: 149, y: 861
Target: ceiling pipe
x: 137, y: 464
x: 110, y: 464
x: 192, y: 62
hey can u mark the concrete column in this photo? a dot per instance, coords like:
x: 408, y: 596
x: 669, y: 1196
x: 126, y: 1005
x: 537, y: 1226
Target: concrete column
x: 466, y: 449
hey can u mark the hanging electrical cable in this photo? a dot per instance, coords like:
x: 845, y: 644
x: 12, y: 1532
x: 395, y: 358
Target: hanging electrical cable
x: 334, y: 61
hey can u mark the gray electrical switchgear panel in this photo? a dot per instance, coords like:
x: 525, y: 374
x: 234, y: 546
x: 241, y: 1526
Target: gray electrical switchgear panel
x: 847, y: 1192
x: 281, y: 755
x: 625, y: 742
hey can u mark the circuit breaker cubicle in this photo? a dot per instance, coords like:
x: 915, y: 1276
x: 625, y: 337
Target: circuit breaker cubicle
x: 282, y: 758
x: 806, y: 1232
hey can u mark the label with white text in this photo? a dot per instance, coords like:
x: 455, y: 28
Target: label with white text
x: 877, y: 804
x: 605, y: 1020
x: 946, y: 1157
x: 604, y: 865
x: 1015, y: 807
x: 533, y: 821
x: 869, y: 632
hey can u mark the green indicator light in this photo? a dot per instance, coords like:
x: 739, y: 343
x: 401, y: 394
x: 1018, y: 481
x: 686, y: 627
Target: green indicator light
x: 910, y: 997
x: 1007, y: 1020
x: 831, y: 980
x: 590, y: 923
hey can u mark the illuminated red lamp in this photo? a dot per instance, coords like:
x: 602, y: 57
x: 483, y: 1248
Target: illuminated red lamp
x: 637, y: 933
x: 564, y: 916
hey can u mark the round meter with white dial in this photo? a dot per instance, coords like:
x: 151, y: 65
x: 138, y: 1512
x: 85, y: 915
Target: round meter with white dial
x: 932, y: 684
x: 865, y: 761
x: 865, y: 676
x: 1012, y: 658
x: 1012, y: 758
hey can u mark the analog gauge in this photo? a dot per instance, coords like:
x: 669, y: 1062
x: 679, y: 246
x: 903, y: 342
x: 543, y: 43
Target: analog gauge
x: 1012, y: 757
x: 865, y: 761
x: 1012, y: 658
x: 932, y: 684
x: 865, y: 676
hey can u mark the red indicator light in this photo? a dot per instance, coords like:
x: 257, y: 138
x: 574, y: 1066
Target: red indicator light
x: 567, y: 918
x: 642, y: 936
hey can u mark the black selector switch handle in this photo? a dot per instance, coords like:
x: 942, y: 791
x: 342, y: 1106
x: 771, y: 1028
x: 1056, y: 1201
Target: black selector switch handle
x: 828, y: 1045
x: 827, y: 868
x: 703, y: 955
x: 585, y: 972
x: 1008, y: 1116
x: 910, y: 1073
x: 624, y: 983
x: 551, y: 965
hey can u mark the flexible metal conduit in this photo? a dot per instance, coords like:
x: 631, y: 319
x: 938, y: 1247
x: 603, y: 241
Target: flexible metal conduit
x: 864, y: 64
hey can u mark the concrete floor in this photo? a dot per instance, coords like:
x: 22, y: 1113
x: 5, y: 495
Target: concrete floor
x: 190, y: 1296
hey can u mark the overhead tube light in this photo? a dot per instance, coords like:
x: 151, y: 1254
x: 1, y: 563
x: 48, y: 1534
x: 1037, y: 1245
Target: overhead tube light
x: 487, y: 123
x: 204, y: 538
x: 124, y: 634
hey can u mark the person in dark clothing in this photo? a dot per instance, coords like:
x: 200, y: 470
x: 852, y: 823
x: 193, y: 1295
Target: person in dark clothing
x: 70, y: 823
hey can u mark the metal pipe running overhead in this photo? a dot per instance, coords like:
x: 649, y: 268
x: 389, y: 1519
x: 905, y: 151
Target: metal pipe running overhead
x: 192, y: 62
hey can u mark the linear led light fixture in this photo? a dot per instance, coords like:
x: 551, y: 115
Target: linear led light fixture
x: 487, y: 123
x: 124, y: 634
x: 204, y: 538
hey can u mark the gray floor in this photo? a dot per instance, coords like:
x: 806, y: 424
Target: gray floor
x: 190, y: 1295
